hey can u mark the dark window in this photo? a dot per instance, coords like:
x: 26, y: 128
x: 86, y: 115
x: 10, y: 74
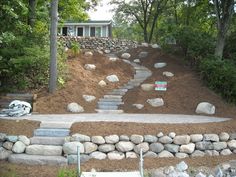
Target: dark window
x: 64, y: 31
x: 80, y: 31
x: 92, y: 31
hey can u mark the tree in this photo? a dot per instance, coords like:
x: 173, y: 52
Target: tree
x: 144, y: 12
x: 53, y: 46
x: 224, y: 10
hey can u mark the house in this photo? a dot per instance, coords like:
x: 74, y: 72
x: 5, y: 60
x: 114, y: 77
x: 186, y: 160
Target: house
x: 87, y: 29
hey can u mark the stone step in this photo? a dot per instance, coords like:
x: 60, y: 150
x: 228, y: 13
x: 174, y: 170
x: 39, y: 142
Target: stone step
x: 120, y: 90
x: 112, y: 96
x: 109, y: 103
x: 47, y: 140
x: 126, y: 61
x: 39, y: 149
x: 110, y: 100
x: 107, y: 107
x: 37, y: 159
x: 134, y: 84
x: 118, y: 111
x: 116, y: 93
x: 57, y: 125
x: 51, y: 132
x: 127, y: 87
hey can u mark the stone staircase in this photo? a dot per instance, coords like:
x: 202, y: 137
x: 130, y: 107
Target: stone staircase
x: 45, y: 146
x: 112, y: 100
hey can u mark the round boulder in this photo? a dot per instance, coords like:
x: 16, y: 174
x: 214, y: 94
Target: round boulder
x: 74, y: 107
x: 205, y: 108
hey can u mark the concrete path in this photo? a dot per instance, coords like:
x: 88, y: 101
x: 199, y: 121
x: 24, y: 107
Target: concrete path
x: 139, y: 118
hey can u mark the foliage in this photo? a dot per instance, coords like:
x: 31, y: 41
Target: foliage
x: 220, y: 76
x: 75, y: 47
x: 67, y: 173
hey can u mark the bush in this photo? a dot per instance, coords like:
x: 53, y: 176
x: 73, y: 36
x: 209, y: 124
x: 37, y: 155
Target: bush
x: 220, y: 76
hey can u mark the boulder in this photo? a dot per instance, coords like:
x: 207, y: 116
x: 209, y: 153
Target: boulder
x: 205, y: 108
x: 156, y: 102
x: 182, y: 166
x: 156, y: 147
x: 232, y: 144
x: 150, y: 154
x: 112, y: 78
x: 136, y: 139
x: 156, y: 46
x: 112, y: 139
x: 88, y: 54
x: 3, y: 137
x: 198, y: 153
x: 90, y: 67
x: 147, y: 87
x: 72, y: 159
x: 107, y: 51
x: 89, y: 98
x: 138, y: 106
x: 212, y: 153
x: 98, y: 155
x: 80, y: 137
x: 165, y: 140
x: 204, y: 145
x: 211, y: 137
x: 24, y: 140
x: 143, y: 54
x: 74, y: 107
x: 8, y: 145
x: 165, y: 154
x: 46, y: 150
x: 89, y: 147
x: 131, y: 155
x: 18, y: 147
x: 113, y: 59
x: 124, y: 146
x: 171, y: 148
x: 12, y: 138
x: 150, y: 138
x: 196, y: 138
x: 168, y: 74
x: 144, y: 146
x: 226, y: 152
x: 182, y: 139
x: 160, y: 134
x: 115, y: 155
x: 136, y: 61
x: 98, y: 140
x: 144, y: 44
x: 181, y: 155
x: 124, y: 138
x: 188, y: 148
x: 106, y: 148
x: 4, y: 154
x: 219, y: 145
x: 172, y: 134
x: 125, y: 55
x: 102, y: 83
x: 224, y: 136
x: 159, y: 65
x: 71, y: 147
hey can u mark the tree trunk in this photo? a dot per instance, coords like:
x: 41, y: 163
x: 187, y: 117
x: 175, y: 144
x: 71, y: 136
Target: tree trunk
x: 145, y: 34
x: 53, y: 46
x: 220, y: 45
x: 32, y: 12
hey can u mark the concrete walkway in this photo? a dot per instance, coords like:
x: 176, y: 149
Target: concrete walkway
x: 139, y: 118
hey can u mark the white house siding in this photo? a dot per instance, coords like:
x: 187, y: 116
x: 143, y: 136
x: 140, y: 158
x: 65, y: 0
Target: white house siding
x: 87, y: 30
x: 104, y: 31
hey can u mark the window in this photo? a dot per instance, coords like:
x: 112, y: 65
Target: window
x: 92, y: 31
x: 64, y: 31
x: 95, y: 31
x: 80, y: 31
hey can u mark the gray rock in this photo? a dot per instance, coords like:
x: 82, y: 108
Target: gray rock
x: 219, y: 145
x: 138, y: 106
x: 157, y: 173
x: 156, y: 46
x: 124, y: 146
x: 3, y: 136
x: 24, y: 139
x: 107, y: 51
x: 136, y: 61
x: 171, y: 148
x: 125, y: 55
x: 224, y: 136
x: 98, y: 155
x: 160, y: 134
x: 18, y: 147
x: 144, y: 146
x: 198, y: 153
x: 232, y: 136
x: 178, y: 174
x: 181, y: 155
x: 124, y: 138
x: 159, y: 65
x: 232, y: 144
x: 172, y: 134
x: 115, y: 155
x: 182, y: 166
x: 80, y: 137
x: 168, y: 74
x: 165, y: 153
x: 147, y: 87
x: 143, y: 54
x: 219, y: 173
x: 74, y: 107
x: 12, y: 138
x: 156, y: 102
x: 102, y: 83
x: 71, y: 147
x: 90, y: 67
x: 8, y: 145
x: 98, y: 140
x: 204, y: 145
x: 106, y: 148
x: 150, y: 138
x: 182, y: 139
x: 212, y: 153
x: 4, y: 154
x: 196, y: 137
x: 47, y: 150
x: 89, y: 98
x: 112, y: 139
x: 211, y: 137
x: 136, y: 139
x: 131, y: 155
x: 165, y: 140
x: 156, y: 147
x: 89, y: 147
x: 188, y: 148
x: 150, y: 154
x: 169, y: 170
x: 88, y: 54
x: 112, y: 78
x: 200, y: 175
x: 205, y: 108
x: 225, y: 152
x: 72, y: 159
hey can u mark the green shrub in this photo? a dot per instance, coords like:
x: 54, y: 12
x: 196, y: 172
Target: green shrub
x: 75, y: 47
x: 220, y: 76
x: 67, y: 173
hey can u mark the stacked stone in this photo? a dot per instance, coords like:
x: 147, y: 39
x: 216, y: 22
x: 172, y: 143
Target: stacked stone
x: 116, y: 147
x: 94, y: 43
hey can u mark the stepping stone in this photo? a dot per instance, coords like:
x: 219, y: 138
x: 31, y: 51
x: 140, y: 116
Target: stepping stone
x: 159, y: 65
x: 118, y: 111
x: 57, y: 125
x: 107, y: 107
x: 110, y: 103
x: 127, y: 87
x: 37, y: 159
x: 110, y: 100
x: 117, y: 93
x: 51, y: 132
x: 120, y: 90
x: 47, y: 140
x: 112, y: 96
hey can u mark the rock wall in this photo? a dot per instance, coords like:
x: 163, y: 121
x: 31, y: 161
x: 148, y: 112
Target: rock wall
x: 116, y: 147
x: 114, y: 45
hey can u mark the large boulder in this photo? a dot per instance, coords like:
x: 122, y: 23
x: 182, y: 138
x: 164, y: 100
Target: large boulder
x: 159, y: 65
x: 80, y: 137
x: 124, y: 146
x: 144, y: 146
x: 125, y: 55
x: 224, y: 136
x: 98, y: 140
x: 98, y: 155
x: 182, y: 139
x: 232, y: 144
x: 89, y: 147
x: 112, y: 139
x: 219, y: 145
x: 172, y: 148
x: 12, y: 138
x: 188, y: 148
x: 3, y: 136
x: 4, y: 154
x: 136, y: 139
x: 90, y: 67
x: 102, y: 83
x: 165, y: 140
x: 143, y: 54
x: 205, y: 108
x: 71, y: 147
x: 156, y: 102
x: 156, y: 46
x: 112, y: 78
x: 156, y: 147
x: 24, y: 140
x: 8, y: 145
x: 75, y: 107
x: 131, y: 155
x: 144, y: 44
x: 150, y: 138
x: 89, y: 98
x: 47, y: 150
x: 147, y: 87
x: 211, y: 137
x: 165, y: 154
x: 106, y: 148
x: 115, y: 155
x: 88, y: 54
x: 18, y: 147
x: 204, y: 145
x: 196, y: 137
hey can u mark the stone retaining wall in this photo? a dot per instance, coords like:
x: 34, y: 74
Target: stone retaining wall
x: 103, y: 44
x: 116, y: 147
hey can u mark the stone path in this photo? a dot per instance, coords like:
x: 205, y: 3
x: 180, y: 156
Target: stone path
x: 111, y: 101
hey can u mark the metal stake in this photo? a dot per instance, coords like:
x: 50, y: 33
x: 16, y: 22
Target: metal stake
x: 78, y: 161
x: 141, y: 162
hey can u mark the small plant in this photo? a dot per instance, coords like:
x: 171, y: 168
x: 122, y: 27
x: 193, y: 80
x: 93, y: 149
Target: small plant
x: 67, y: 173
x: 75, y: 47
